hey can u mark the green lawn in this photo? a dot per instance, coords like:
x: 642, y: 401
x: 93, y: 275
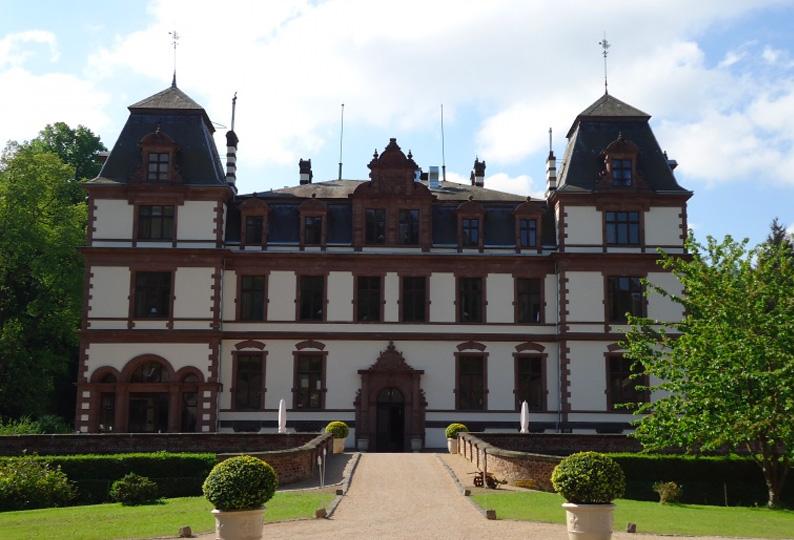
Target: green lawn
x: 651, y: 517
x: 110, y: 521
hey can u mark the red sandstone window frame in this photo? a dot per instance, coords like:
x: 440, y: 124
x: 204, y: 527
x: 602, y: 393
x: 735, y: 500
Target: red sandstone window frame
x: 299, y: 297
x: 518, y: 358
x: 459, y: 357
x: 459, y: 299
x: 401, y: 302
x: 262, y: 357
x: 357, y: 298
x: 612, y: 400
x: 241, y: 292
x: 322, y: 356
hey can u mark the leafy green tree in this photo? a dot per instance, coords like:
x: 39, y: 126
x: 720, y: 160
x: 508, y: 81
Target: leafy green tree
x: 726, y: 369
x: 779, y: 236
x: 40, y: 276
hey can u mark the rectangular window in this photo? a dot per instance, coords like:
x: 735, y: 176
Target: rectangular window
x: 152, y: 295
x: 471, y: 232
x: 624, y: 378
x: 625, y: 296
x: 312, y: 230
x: 155, y: 222
x: 528, y: 308
x: 159, y: 166
x: 413, y: 303
x: 368, y: 298
x: 530, y: 386
x: 253, y: 230
x: 248, y: 382
x: 623, y: 228
x: 409, y: 227
x: 375, y: 225
x: 621, y: 172
x: 309, y: 383
x: 471, y: 382
x: 528, y: 233
x: 470, y: 300
x: 252, y: 298
x: 311, y: 291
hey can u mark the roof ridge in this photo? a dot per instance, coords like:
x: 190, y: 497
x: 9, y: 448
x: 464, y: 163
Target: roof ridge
x: 170, y: 98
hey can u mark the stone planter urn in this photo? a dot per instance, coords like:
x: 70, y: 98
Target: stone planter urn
x: 452, y: 445
x: 589, y: 521
x: 339, y: 446
x: 239, y: 525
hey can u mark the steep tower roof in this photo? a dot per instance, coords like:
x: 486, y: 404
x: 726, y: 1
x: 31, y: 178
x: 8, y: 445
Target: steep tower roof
x: 598, y: 126
x: 175, y: 114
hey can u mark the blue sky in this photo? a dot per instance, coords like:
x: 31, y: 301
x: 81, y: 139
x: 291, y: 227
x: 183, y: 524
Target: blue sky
x: 718, y: 78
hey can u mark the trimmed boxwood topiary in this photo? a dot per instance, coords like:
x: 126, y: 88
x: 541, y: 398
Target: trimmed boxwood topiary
x: 240, y: 483
x: 133, y: 489
x: 455, y: 428
x: 588, y: 478
x: 338, y: 428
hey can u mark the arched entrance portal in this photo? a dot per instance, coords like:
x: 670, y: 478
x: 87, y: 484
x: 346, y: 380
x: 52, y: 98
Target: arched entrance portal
x: 390, y: 406
x: 390, y: 421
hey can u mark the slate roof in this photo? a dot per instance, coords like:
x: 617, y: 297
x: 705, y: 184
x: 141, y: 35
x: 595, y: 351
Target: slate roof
x: 594, y: 129
x: 341, y: 189
x: 182, y: 119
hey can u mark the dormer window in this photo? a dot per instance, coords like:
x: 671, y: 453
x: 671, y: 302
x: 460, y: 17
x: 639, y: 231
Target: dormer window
x: 409, y: 227
x: 528, y: 233
x: 253, y: 222
x: 312, y: 230
x: 158, y: 161
x: 621, y: 172
x: 313, y: 223
x: 527, y: 226
x: 159, y: 167
x: 471, y: 232
x: 253, y: 230
x: 375, y: 226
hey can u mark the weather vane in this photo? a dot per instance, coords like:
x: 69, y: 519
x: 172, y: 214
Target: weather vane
x: 174, y: 40
x: 605, y: 47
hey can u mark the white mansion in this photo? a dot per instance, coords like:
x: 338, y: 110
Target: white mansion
x: 399, y: 303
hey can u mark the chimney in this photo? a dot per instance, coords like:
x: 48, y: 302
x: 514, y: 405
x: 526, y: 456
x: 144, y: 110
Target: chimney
x: 551, y: 170
x: 305, y: 168
x: 231, y: 157
x: 478, y: 174
x: 432, y: 177
x: 231, y: 143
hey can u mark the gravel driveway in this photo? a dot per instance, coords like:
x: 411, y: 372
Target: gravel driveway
x: 412, y: 496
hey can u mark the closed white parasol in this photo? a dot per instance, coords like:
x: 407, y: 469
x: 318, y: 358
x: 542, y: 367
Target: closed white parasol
x: 282, y: 416
x: 524, y: 417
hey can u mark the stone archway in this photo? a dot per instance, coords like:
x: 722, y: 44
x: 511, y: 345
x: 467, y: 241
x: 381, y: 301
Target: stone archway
x: 390, y: 371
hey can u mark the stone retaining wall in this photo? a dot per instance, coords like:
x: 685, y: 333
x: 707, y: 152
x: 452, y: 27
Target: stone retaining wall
x: 293, y: 464
x: 532, y: 457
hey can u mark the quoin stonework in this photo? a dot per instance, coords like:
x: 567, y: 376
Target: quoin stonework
x: 399, y: 303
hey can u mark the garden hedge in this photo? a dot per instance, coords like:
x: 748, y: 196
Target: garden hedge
x: 176, y: 474
x: 705, y: 480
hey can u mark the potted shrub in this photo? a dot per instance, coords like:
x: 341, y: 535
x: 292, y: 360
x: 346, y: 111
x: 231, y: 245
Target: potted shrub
x: 238, y: 488
x: 339, y: 430
x: 452, y: 436
x: 589, y: 481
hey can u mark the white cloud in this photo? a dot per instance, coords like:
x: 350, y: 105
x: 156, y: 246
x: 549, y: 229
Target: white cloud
x: 790, y: 229
x: 32, y: 100
x: 520, y: 185
x: 524, y: 67
x: 15, y: 48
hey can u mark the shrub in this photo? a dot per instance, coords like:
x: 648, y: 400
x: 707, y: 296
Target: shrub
x: 28, y: 483
x: 176, y: 474
x: 338, y: 428
x: 50, y: 423
x: 453, y: 430
x: 133, y: 489
x: 240, y: 483
x: 669, y: 492
x: 21, y: 426
x: 588, y: 478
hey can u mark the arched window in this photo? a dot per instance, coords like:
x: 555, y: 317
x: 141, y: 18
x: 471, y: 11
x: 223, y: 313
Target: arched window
x: 149, y: 372
x: 109, y: 378
x: 190, y: 378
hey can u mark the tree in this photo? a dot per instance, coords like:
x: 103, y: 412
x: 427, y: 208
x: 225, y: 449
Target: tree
x: 726, y: 369
x: 40, y: 276
x: 778, y: 235
x: 78, y: 148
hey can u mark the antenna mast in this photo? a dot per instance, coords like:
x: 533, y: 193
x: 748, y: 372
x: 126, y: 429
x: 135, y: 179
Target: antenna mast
x: 341, y: 138
x: 443, y: 154
x: 234, y: 107
x: 605, y: 47
x: 174, y: 40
